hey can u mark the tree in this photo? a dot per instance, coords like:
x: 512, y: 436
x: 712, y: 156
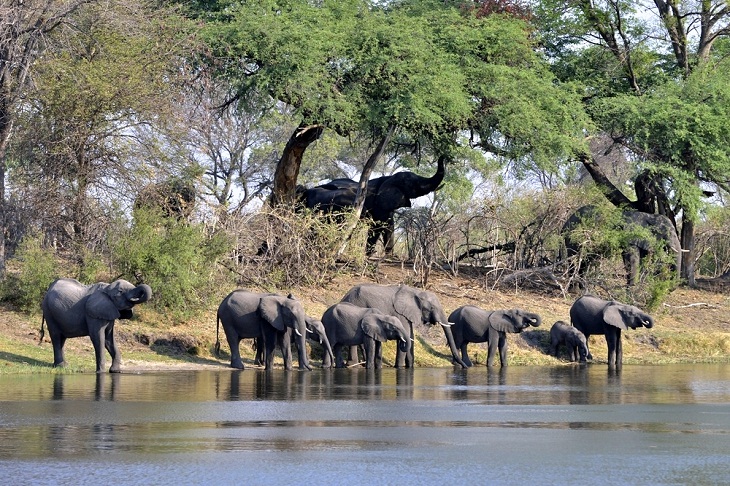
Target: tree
x: 406, y: 74
x: 24, y: 31
x: 92, y: 87
x: 658, y: 88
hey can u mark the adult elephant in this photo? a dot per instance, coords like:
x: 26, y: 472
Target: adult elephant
x: 270, y: 317
x: 472, y: 324
x: 350, y: 325
x: 564, y: 334
x: 412, y: 306
x: 72, y: 309
x: 591, y: 315
x: 384, y: 196
x: 637, y: 249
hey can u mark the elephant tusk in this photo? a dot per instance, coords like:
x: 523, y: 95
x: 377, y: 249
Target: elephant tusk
x: 298, y: 333
x: 447, y: 324
x: 403, y: 340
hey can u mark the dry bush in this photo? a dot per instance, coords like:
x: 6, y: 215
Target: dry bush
x: 279, y: 248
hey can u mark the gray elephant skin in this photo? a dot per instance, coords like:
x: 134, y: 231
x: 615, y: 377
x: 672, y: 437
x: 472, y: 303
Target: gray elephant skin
x: 638, y: 249
x: 350, y: 325
x: 563, y: 334
x: 591, y: 315
x: 315, y: 331
x: 384, y: 196
x: 410, y: 305
x: 72, y: 309
x: 472, y: 324
x: 270, y: 317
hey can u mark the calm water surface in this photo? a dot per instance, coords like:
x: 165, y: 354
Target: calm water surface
x: 522, y: 425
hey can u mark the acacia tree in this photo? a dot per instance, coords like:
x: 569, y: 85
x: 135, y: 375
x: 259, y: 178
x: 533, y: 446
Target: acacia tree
x: 655, y: 78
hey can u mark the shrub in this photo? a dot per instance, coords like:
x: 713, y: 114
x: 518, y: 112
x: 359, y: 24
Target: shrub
x: 178, y: 260
x: 36, y: 268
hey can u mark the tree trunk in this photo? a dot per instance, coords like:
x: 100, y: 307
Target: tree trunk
x: 687, y: 238
x: 287, y: 169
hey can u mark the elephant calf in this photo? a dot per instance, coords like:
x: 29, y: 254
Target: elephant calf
x: 474, y: 325
x: 574, y: 340
x: 349, y: 325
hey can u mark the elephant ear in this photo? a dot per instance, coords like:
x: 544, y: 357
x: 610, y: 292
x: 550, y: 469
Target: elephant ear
x: 269, y: 310
x: 501, y: 321
x: 407, y: 304
x: 372, y: 327
x: 613, y: 315
x: 100, y: 306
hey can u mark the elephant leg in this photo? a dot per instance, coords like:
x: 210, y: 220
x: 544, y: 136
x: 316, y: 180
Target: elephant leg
x: 465, y: 355
x: 259, y: 347
x: 352, y: 356
x: 502, y: 349
x: 340, y: 363
x: 388, y: 240
x: 378, y: 355
x: 369, y: 353
x: 111, y: 347
x: 233, y: 341
x: 326, y: 360
x: 58, y: 340
x: 619, y: 349
x: 491, y: 352
x: 283, y: 340
x: 98, y: 339
x: 588, y: 351
x: 611, y: 341
x: 270, y: 347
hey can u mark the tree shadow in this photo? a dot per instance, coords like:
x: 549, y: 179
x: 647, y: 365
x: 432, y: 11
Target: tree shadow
x: 18, y: 359
x: 538, y: 339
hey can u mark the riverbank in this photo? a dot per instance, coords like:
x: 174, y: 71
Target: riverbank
x: 692, y: 326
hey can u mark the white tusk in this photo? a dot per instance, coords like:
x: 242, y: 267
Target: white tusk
x: 297, y: 331
x: 448, y: 324
x: 403, y: 340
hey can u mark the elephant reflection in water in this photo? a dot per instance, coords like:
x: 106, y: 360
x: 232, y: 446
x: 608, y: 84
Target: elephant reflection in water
x: 384, y: 196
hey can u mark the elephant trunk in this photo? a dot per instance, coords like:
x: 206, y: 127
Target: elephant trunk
x: 141, y: 293
x: 452, y: 343
x: 427, y: 185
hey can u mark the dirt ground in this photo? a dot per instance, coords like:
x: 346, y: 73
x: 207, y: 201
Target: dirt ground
x: 692, y: 325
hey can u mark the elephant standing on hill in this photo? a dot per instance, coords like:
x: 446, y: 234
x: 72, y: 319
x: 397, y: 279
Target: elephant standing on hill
x: 384, y: 196
x: 638, y: 249
x: 72, y: 309
x: 474, y: 325
x: 412, y: 306
x: 272, y: 318
x: 350, y: 325
x: 591, y: 315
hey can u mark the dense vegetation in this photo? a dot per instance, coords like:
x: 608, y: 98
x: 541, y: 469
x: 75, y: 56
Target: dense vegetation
x: 163, y: 142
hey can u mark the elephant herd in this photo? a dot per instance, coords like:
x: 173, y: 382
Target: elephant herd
x: 367, y: 316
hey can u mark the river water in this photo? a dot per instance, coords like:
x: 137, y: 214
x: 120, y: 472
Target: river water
x: 523, y: 425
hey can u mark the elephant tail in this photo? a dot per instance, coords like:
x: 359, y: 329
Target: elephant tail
x: 43, y: 331
x: 217, y: 336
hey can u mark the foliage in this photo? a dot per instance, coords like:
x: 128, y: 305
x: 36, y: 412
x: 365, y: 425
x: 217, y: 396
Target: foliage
x: 36, y: 268
x: 178, y: 260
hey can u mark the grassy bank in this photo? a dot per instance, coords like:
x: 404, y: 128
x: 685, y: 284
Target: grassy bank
x: 692, y: 326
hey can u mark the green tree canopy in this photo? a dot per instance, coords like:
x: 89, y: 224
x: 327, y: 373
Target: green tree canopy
x: 407, y: 74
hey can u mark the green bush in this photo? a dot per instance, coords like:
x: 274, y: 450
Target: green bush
x: 177, y: 259
x: 35, y: 268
